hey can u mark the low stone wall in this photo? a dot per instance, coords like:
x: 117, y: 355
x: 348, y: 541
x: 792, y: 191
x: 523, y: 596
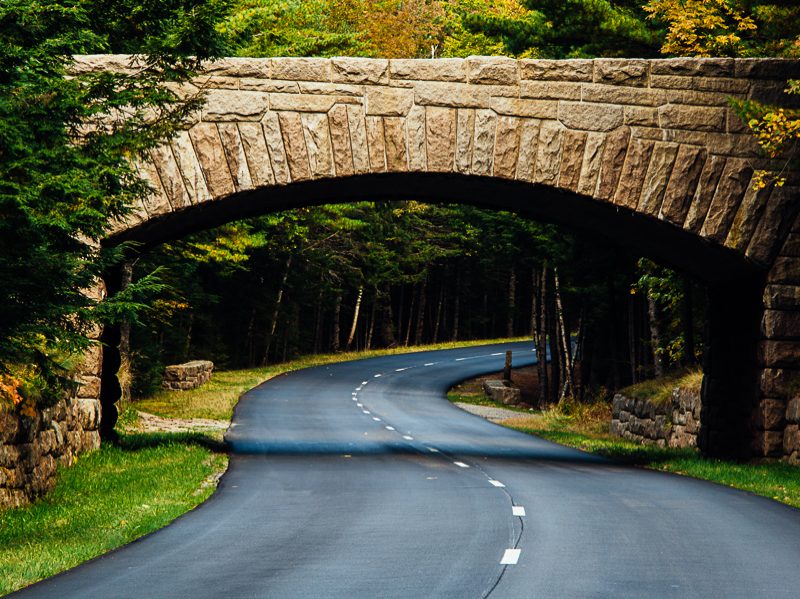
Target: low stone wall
x: 190, y: 375
x: 500, y: 392
x: 32, y: 448
x: 672, y: 424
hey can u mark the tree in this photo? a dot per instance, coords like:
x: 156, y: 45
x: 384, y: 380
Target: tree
x: 571, y: 29
x: 67, y: 164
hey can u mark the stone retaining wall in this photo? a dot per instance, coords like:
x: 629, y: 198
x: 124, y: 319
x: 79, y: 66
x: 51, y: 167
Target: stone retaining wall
x: 791, y: 436
x: 182, y: 377
x: 672, y: 424
x: 32, y: 448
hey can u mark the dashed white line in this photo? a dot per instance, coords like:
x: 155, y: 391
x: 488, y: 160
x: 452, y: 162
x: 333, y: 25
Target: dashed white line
x: 510, y: 557
x: 364, y: 382
x: 402, y: 369
x: 408, y: 437
x: 376, y: 419
x: 496, y: 483
x: 355, y: 399
x: 429, y: 364
x: 517, y: 510
x: 433, y: 450
x: 389, y: 428
x: 498, y: 354
x: 461, y: 464
x: 366, y: 411
x: 360, y: 405
x: 376, y: 376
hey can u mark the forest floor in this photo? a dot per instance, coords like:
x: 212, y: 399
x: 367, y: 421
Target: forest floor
x: 585, y: 426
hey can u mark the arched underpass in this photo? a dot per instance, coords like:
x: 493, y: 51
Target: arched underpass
x: 645, y: 152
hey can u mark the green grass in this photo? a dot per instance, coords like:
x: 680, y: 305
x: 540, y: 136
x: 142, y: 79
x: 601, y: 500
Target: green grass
x: 107, y: 499
x: 586, y: 428
x: 217, y: 398
x: 481, y: 400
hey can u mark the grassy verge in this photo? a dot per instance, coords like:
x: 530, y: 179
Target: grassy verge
x: 107, y: 499
x: 585, y: 427
x: 216, y: 399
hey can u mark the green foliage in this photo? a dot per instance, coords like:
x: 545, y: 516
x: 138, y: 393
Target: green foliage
x: 65, y: 150
x: 572, y: 29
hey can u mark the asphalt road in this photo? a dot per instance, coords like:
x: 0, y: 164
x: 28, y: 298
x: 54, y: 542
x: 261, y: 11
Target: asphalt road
x: 360, y: 480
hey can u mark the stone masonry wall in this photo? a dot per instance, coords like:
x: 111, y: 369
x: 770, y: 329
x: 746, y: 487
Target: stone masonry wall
x: 32, y: 448
x: 672, y: 424
x: 182, y: 377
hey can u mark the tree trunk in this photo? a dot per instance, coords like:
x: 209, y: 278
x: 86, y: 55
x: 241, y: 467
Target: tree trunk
x: 371, y: 329
x: 541, y: 338
x: 438, y: 320
x: 318, y: 318
x: 512, y: 302
x: 355, y: 318
x: 632, y: 338
x: 655, y: 336
x: 387, y: 321
x: 407, y: 336
x: 124, y: 375
x: 273, y: 323
x: 337, y: 310
x: 566, y: 389
x: 423, y: 295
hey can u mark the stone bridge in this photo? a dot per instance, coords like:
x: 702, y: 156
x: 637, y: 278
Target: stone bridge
x: 646, y: 152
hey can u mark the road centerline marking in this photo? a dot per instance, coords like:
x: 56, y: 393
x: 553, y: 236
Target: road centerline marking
x: 408, y: 437
x: 389, y: 428
x: 376, y: 419
x: 496, y: 483
x: 510, y: 557
x: 376, y: 376
x: 517, y: 510
x: 366, y: 411
x: 461, y: 464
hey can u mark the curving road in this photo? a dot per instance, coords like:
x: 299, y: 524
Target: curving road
x: 360, y: 480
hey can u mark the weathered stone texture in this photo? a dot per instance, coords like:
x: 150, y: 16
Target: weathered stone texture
x: 548, y: 153
x: 657, y: 177
x: 440, y: 138
x: 318, y: 144
x: 682, y: 183
x: 395, y: 137
x: 572, y: 159
x: 182, y: 377
x: 340, y: 141
x: 291, y: 126
x: 483, y: 146
x: 277, y: 151
x: 633, y: 170
x: 672, y: 424
x: 32, y: 448
x: 506, y: 148
x: 211, y: 154
x: 416, y: 129
x: 234, y: 152
x: 255, y: 150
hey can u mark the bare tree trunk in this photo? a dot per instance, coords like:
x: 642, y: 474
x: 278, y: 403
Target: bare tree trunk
x: 387, y: 321
x: 541, y: 338
x: 532, y: 327
x: 371, y: 329
x: 407, y: 336
x: 512, y: 302
x: 438, y: 320
x: 124, y: 375
x: 318, y: 319
x: 337, y: 310
x: 423, y: 295
x: 273, y: 323
x: 652, y: 313
x: 355, y: 318
x: 565, y: 345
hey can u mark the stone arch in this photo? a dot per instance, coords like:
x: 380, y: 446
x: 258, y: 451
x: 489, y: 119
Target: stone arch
x: 648, y: 149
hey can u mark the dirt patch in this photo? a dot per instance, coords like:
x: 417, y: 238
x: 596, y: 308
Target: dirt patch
x: 150, y: 423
